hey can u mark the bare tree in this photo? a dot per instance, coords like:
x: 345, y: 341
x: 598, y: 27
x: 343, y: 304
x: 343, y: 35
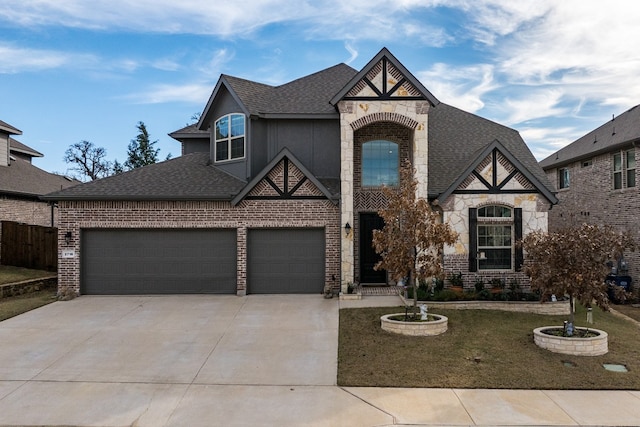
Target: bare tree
x: 88, y: 160
x: 412, y: 240
x: 573, y: 261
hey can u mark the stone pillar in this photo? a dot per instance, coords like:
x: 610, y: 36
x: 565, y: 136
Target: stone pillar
x: 346, y: 189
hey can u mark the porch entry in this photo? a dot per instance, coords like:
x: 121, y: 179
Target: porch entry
x: 368, y: 255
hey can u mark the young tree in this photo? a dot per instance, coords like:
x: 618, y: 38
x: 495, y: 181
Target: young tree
x: 88, y: 160
x: 141, y: 151
x: 573, y: 261
x: 412, y: 240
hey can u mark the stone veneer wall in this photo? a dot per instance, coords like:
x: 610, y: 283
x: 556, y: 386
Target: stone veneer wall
x: 355, y: 115
x: 456, y: 211
x: 78, y: 215
x: 591, y: 198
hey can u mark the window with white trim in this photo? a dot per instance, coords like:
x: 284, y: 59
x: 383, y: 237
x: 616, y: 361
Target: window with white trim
x: 624, y: 169
x: 230, y: 137
x: 563, y: 178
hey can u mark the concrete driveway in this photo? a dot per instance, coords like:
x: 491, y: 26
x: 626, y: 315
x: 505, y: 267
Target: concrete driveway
x: 175, y: 360
x: 261, y: 360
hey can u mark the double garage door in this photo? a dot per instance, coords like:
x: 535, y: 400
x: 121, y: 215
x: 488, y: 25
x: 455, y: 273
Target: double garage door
x: 191, y: 261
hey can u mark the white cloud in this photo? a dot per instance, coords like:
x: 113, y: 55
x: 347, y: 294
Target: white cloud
x: 17, y: 59
x: 161, y: 93
x: 461, y: 86
x: 352, y: 51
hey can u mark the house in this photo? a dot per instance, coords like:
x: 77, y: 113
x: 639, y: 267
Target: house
x: 596, y: 178
x: 278, y: 187
x: 22, y: 183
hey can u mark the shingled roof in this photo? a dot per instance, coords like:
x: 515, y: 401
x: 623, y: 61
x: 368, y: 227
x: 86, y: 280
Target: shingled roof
x: 457, y: 137
x: 189, y: 177
x: 307, y: 95
x: 7, y: 128
x: 612, y: 135
x: 21, y: 178
x: 19, y: 147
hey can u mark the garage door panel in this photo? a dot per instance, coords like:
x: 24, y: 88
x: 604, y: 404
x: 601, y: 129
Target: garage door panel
x: 285, y: 260
x: 158, y: 261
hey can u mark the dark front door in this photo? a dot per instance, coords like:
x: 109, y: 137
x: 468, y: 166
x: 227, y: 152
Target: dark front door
x: 368, y: 255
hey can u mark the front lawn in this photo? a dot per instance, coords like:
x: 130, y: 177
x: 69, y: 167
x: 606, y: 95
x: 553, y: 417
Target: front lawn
x: 481, y: 349
x: 10, y: 274
x: 13, y: 306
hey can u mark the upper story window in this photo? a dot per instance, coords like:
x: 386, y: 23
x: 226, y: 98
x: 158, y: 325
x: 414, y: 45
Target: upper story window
x: 624, y: 169
x: 563, y: 178
x: 230, y: 137
x: 380, y: 163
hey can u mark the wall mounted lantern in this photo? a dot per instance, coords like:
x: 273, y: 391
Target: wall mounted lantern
x: 347, y: 229
x: 67, y: 237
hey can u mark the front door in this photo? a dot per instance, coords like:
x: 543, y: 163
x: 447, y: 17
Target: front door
x: 368, y: 255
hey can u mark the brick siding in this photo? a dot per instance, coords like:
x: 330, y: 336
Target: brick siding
x: 371, y: 199
x: 25, y: 211
x: 31, y: 212
x: 591, y: 198
x: 78, y: 215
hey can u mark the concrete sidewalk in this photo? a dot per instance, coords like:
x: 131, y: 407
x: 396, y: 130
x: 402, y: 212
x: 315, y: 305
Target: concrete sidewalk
x: 262, y: 360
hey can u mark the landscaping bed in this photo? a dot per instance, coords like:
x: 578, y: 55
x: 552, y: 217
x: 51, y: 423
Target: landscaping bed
x: 481, y: 349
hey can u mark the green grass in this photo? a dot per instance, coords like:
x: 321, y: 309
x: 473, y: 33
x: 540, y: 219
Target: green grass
x: 633, y: 311
x: 10, y: 274
x: 13, y: 306
x: 481, y: 349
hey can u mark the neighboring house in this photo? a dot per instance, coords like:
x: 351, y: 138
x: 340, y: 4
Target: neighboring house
x: 278, y: 187
x: 597, y: 180
x: 22, y: 183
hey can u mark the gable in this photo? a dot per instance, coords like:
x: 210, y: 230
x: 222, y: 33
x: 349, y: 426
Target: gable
x: 384, y: 78
x: 284, y: 178
x: 285, y: 181
x: 495, y: 172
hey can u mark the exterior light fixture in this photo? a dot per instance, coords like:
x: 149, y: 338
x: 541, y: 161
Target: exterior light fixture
x: 347, y: 229
x: 67, y: 237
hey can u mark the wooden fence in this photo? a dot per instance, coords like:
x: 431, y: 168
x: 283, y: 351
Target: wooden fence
x: 29, y: 246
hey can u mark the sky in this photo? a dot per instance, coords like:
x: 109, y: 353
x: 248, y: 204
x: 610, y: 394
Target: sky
x: 74, y: 70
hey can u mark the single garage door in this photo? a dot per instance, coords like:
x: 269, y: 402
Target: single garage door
x: 289, y: 261
x: 186, y: 261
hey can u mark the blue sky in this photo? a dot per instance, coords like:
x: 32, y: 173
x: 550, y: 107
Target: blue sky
x: 75, y: 70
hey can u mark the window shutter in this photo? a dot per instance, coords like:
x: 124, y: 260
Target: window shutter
x: 473, y: 239
x: 517, y: 222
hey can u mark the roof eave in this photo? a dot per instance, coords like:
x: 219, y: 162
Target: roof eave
x: 127, y: 198
x: 604, y: 150
x: 298, y: 116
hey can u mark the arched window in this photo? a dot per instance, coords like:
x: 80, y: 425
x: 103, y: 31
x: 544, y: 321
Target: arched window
x: 380, y: 162
x: 230, y: 133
